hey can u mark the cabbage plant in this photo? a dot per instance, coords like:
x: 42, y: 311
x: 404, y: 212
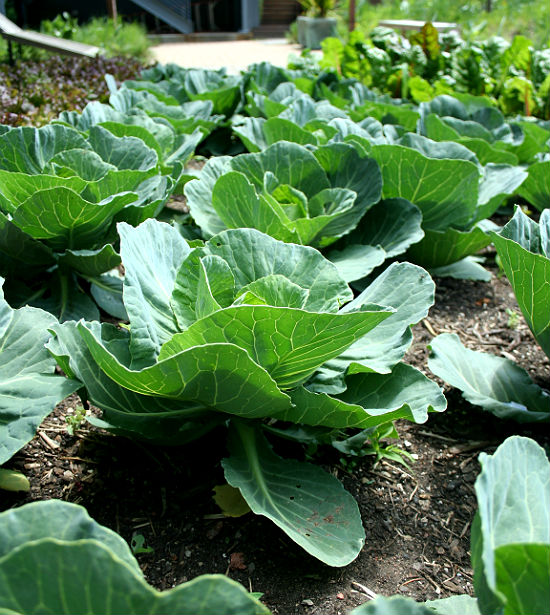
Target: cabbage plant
x: 523, y: 247
x: 495, y: 383
x: 61, y: 195
x: 29, y: 388
x: 54, y: 558
x: 255, y: 334
x: 454, y: 193
x: 291, y: 193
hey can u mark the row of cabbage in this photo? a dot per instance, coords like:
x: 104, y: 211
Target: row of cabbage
x: 241, y: 311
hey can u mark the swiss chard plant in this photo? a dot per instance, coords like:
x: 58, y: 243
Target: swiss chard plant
x: 61, y: 195
x: 94, y: 570
x: 512, y: 76
x: 510, y: 540
x: 255, y: 334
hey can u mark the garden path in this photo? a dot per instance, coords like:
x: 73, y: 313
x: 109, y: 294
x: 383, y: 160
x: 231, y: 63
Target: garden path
x: 233, y: 55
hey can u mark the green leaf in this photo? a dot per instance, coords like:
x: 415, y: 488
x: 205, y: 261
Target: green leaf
x: 524, y: 251
x: 29, y: 389
x: 107, y: 293
x: 29, y: 150
x: 513, y: 531
x: 486, y: 153
x: 468, y: 268
x: 122, y: 152
x: 60, y: 520
x: 280, y: 129
x: 454, y: 605
x: 161, y: 420
x: 390, y: 227
x: 65, y: 220
x: 291, y: 164
x: 494, y: 383
x: 15, y: 188
x: 346, y: 169
x: 199, y: 195
x: 10, y: 480
x: 220, y: 376
x: 230, y: 501
x: 252, y: 211
x: 290, y: 344
x: 152, y: 254
x: 356, y: 261
x: 410, y: 291
x: 536, y: 188
x: 252, y: 255
x: 308, y: 504
x: 441, y: 248
x: 81, y: 549
x: 498, y: 182
x: 446, y: 191
x: 250, y: 131
x: 90, y: 262
x: 21, y: 256
x: 80, y: 162
x: 369, y: 400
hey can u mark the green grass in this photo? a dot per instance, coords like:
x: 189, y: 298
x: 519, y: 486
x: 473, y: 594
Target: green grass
x: 122, y: 39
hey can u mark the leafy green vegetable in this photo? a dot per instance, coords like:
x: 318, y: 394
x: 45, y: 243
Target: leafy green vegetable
x: 55, y: 537
x: 62, y: 193
x: 29, y: 389
x: 510, y: 540
x: 495, y: 383
x: 236, y: 330
x: 524, y: 250
x: 295, y: 195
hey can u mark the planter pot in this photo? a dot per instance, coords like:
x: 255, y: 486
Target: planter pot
x: 312, y: 30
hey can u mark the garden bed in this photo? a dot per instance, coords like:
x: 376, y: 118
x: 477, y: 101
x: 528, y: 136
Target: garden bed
x: 417, y: 520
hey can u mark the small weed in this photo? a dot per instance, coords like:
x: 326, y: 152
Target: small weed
x: 513, y: 319
x: 74, y: 421
x: 137, y: 543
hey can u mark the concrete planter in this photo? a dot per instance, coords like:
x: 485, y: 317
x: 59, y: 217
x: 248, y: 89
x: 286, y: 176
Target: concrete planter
x: 312, y: 30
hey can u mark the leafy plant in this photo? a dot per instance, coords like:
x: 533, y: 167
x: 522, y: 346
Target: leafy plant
x: 37, y: 91
x: 495, y: 383
x: 246, y: 328
x: 312, y: 203
x: 427, y: 65
x: 60, y: 198
x: 317, y: 8
x: 510, y: 540
x: 55, y: 537
x: 29, y: 389
x: 524, y: 250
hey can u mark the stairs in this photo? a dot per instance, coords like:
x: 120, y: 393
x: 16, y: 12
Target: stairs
x: 270, y: 31
x: 279, y: 12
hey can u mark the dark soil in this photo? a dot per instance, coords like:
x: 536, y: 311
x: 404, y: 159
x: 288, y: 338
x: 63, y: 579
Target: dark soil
x: 417, y: 520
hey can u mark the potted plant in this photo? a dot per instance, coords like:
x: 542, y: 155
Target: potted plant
x: 314, y: 25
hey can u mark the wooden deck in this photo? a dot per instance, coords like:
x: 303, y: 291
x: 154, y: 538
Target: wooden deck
x: 13, y: 33
x: 410, y: 24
